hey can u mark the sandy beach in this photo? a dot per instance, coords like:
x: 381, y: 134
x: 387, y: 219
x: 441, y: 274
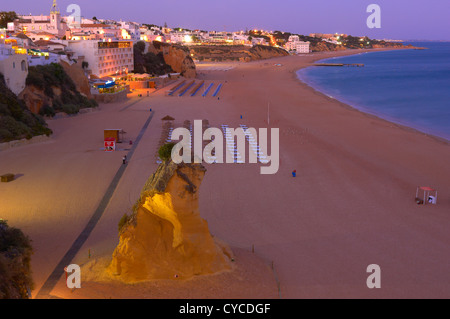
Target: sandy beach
x: 350, y: 205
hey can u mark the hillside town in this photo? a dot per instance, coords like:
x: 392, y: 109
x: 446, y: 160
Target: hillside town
x: 105, y: 47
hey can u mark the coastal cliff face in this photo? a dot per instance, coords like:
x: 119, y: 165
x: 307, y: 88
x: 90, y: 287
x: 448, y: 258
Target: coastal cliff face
x: 242, y: 53
x: 166, y: 238
x: 55, y: 88
x: 261, y: 52
x: 34, y: 98
x: 176, y: 56
x: 76, y: 73
x: 325, y: 46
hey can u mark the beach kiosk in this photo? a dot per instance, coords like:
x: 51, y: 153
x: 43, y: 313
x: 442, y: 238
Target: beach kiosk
x: 110, y: 144
x: 429, y: 195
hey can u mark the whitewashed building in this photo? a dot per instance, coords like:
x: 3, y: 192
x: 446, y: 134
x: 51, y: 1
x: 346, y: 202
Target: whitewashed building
x: 105, y: 58
x: 14, y: 68
x: 297, y: 46
x: 52, y: 23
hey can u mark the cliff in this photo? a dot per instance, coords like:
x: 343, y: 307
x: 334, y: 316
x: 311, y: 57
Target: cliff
x: 16, y: 121
x: 323, y: 46
x: 55, y: 88
x: 76, y: 73
x: 242, y: 53
x: 166, y: 238
x: 176, y: 56
x: 261, y: 52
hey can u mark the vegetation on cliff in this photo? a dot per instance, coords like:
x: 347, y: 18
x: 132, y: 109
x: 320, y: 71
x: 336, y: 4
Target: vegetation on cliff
x: 177, y: 56
x: 16, y: 121
x: 15, y: 257
x: 165, y: 151
x: 53, y: 78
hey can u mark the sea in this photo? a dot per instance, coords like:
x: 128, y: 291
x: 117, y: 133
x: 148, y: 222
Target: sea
x: 409, y: 87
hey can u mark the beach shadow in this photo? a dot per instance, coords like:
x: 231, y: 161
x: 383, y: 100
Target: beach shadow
x: 17, y: 176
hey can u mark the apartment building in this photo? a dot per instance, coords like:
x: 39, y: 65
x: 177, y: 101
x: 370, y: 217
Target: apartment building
x: 105, y: 58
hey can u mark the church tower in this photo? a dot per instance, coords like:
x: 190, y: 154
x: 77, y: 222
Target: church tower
x: 55, y: 17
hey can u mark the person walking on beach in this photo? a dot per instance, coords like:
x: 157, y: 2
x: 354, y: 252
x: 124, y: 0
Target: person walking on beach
x: 294, y: 173
x: 124, y: 160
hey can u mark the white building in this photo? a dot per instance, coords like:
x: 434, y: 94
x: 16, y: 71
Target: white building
x: 105, y: 58
x: 133, y: 30
x: 34, y: 60
x: 298, y: 46
x: 53, y: 23
x: 14, y: 68
x: 259, y: 41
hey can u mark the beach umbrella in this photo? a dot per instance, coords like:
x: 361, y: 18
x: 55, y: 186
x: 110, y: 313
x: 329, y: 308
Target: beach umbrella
x: 167, y: 118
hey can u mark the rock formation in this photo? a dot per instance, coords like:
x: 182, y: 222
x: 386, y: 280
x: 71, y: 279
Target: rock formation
x: 242, y: 53
x: 165, y: 238
x: 76, y: 73
x: 261, y: 52
x: 56, y: 86
x: 177, y: 56
x: 34, y: 98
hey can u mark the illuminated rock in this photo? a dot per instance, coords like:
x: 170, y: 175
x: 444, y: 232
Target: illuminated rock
x: 166, y: 238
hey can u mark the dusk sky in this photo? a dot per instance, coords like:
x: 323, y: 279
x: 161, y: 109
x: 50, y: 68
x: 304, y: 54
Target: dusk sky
x: 400, y: 19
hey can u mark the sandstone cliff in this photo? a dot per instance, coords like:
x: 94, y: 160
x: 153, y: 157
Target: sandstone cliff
x: 260, y: 52
x: 178, y: 57
x: 242, y: 53
x: 166, y: 238
x: 76, y: 73
x: 55, y: 88
x: 34, y: 98
x: 325, y: 46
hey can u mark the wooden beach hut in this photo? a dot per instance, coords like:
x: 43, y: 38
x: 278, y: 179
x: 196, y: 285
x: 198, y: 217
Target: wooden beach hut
x: 117, y: 134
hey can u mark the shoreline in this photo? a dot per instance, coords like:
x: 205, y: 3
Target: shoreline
x: 362, y: 111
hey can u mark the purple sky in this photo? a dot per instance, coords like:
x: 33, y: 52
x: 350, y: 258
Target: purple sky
x: 400, y: 19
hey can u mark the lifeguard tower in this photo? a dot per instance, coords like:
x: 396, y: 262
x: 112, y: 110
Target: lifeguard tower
x: 429, y: 195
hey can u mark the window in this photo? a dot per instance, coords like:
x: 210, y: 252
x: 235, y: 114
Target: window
x: 23, y: 65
